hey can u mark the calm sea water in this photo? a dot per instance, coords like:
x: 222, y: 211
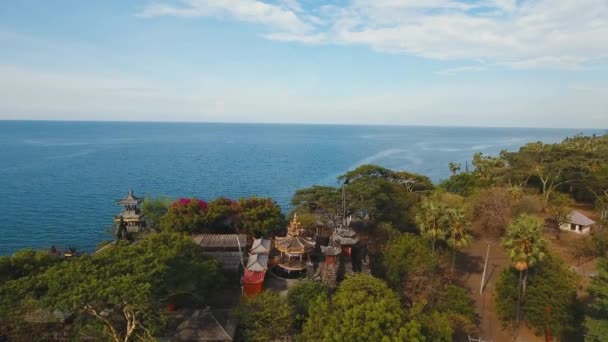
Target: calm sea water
x: 59, y: 180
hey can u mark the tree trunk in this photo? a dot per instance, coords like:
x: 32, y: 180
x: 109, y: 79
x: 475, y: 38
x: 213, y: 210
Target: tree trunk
x: 433, y: 246
x: 518, y: 303
x: 453, y: 260
x: 525, y: 282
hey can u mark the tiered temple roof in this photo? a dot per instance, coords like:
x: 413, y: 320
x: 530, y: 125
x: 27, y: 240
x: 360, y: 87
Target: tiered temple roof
x: 331, y: 250
x: 344, y: 236
x: 130, y: 199
x: 260, y: 246
x: 293, y: 243
x: 257, y: 262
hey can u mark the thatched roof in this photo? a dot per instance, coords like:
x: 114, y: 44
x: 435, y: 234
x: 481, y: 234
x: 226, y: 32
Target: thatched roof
x: 576, y: 217
x: 206, y: 326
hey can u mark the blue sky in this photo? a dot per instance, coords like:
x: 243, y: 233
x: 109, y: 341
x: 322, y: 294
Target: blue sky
x: 537, y: 63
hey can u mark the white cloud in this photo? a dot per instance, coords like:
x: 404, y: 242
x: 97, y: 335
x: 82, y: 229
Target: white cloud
x: 274, y: 16
x: 458, y: 70
x: 561, y: 34
x: 27, y: 93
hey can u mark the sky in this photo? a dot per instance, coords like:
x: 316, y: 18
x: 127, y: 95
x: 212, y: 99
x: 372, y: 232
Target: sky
x: 523, y: 63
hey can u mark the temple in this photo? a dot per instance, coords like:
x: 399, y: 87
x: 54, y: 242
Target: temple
x: 294, y: 248
x: 130, y: 220
x: 255, y: 271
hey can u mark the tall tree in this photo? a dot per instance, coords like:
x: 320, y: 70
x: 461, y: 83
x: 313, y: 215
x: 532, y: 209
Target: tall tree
x: 525, y: 247
x: 553, y: 285
x: 430, y: 222
x: 454, y: 168
x: 458, y: 234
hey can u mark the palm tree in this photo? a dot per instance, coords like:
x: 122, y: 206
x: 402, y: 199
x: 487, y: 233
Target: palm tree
x: 454, y: 167
x: 430, y: 222
x: 459, y: 237
x: 525, y: 246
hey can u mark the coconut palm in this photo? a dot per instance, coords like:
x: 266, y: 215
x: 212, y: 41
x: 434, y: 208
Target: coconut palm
x: 430, y: 222
x: 458, y: 236
x: 525, y: 246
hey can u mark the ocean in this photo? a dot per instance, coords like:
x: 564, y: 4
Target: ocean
x: 59, y: 180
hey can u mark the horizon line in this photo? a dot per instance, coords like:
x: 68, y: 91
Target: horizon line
x: 292, y: 123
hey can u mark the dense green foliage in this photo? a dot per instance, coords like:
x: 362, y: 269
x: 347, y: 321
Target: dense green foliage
x: 121, y: 290
x: 259, y: 216
x: 524, y: 242
x: 24, y: 263
x: 301, y: 296
x: 596, y: 320
x: 411, y: 266
x: 154, y: 209
x: 551, y: 284
x: 362, y: 309
x: 373, y: 194
x: 266, y: 317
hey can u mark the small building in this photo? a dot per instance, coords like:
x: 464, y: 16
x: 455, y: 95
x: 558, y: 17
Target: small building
x: 227, y: 248
x: 257, y: 265
x: 294, y: 248
x: 578, y: 223
x: 207, y: 326
x: 130, y: 220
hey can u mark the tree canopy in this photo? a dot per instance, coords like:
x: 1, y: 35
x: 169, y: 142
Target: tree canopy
x: 122, y: 289
x: 362, y: 309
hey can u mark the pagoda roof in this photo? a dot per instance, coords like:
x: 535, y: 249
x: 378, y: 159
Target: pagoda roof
x: 130, y: 199
x: 345, y: 236
x: 257, y: 262
x: 331, y: 250
x: 293, y: 244
x: 260, y: 246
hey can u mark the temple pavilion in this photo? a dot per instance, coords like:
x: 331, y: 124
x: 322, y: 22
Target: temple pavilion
x: 257, y: 264
x: 345, y: 237
x: 294, y: 248
x: 130, y: 219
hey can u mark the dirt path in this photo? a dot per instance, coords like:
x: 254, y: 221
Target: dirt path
x: 470, y: 268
